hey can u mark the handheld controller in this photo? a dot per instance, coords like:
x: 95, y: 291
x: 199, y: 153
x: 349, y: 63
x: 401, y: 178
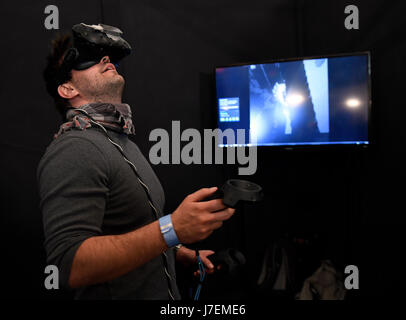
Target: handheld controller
x: 235, y: 190
x: 228, y: 260
x: 232, y: 192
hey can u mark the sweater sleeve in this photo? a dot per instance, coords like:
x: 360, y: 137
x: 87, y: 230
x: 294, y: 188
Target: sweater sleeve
x: 73, y: 188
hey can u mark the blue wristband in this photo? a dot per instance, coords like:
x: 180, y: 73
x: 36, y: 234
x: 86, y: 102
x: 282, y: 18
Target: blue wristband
x: 168, y: 232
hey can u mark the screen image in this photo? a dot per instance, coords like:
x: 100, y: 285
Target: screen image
x: 301, y: 102
x: 229, y: 109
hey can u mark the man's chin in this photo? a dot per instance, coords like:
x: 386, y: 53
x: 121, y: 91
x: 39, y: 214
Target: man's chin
x: 116, y: 79
x: 119, y: 76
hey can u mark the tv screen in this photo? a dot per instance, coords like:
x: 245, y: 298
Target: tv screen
x: 308, y: 101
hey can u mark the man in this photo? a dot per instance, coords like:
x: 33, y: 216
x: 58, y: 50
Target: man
x: 102, y: 213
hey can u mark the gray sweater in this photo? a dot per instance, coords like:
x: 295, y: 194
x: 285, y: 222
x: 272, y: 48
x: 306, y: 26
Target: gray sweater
x: 87, y: 189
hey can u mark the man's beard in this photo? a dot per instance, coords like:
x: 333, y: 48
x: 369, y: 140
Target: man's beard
x: 110, y: 90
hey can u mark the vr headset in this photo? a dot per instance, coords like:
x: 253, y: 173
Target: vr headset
x: 93, y: 42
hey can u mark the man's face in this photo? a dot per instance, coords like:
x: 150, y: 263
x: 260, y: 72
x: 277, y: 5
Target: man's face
x: 99, y: 83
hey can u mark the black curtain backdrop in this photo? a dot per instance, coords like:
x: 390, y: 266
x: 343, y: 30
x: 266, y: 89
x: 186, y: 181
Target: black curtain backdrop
x: 350, y: 201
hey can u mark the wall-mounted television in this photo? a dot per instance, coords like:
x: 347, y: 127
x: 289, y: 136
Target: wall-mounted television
x: 322, y: 100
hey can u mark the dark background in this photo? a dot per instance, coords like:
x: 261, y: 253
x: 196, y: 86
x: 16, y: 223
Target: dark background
x: 348, y: 204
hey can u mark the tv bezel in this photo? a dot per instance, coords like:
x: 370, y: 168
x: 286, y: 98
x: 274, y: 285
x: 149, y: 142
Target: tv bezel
x: 308, y: 146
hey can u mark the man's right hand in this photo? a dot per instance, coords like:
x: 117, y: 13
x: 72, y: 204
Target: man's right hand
x: 195, y: 220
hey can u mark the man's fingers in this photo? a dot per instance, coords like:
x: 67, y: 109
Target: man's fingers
x: 223, y: 214
x: 201, y: 194
x: 207, y: 263
x: 217, y: 225
x: 213, y: 205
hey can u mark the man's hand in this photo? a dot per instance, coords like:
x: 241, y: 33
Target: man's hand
x: 187, y: 257
x: 195, y: 220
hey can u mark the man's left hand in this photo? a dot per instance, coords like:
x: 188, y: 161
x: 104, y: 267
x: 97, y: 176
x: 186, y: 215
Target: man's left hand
x: 188, y: 257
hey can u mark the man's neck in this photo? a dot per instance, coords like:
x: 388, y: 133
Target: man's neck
x: 82, y: 102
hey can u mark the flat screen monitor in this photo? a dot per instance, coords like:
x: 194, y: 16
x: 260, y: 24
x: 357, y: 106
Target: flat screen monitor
x: 296, y: 102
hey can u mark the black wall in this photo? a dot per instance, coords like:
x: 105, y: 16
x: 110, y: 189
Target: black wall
x: 350, y: 200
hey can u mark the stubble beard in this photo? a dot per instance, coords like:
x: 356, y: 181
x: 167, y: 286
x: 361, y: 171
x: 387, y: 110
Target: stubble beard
x: 110, y: 90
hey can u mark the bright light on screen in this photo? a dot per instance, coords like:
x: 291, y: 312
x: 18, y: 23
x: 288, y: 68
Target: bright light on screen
x: 353, y: 103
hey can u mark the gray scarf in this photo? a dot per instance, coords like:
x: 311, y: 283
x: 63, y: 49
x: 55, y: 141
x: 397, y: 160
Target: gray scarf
x: 115, y: 116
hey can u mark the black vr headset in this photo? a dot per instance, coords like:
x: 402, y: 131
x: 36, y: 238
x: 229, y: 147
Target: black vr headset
x: 91, y: 43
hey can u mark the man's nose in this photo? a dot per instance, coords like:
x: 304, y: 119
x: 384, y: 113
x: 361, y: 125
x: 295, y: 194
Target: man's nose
x: 105, y: 59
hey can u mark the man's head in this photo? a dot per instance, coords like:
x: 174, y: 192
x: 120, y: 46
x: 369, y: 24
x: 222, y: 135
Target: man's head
x: 99, y: 83
x: 79, y: 68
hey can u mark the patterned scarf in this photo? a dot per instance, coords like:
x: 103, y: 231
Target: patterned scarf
x: 115, y: 116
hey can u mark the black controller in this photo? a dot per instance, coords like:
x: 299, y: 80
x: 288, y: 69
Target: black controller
x: 235, y: 190
x: 228, y: 260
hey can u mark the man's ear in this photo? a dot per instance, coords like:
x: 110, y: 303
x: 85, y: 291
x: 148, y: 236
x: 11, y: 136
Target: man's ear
x: 67, y: 91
